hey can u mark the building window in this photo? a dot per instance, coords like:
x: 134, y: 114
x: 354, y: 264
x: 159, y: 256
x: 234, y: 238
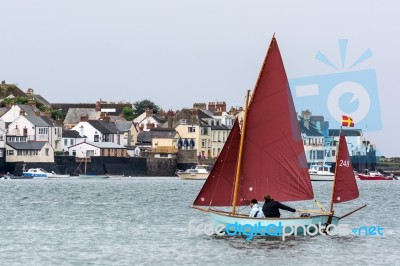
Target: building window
x: 96, y: 138
x: 89, y: 153
x: 65, y: 142
x: 182, y: 122
x: 204, y: 131
x: 46, y: 151
x: 43, y: 130
x: 191, y: 129
x: 118, y: 139
x: 1, y: 137
x: 73, y: 152
x: 203, y: 143
x: 71, y: 142
x: 10, y: 152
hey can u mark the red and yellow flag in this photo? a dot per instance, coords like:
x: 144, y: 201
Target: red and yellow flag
x: 347, y: 121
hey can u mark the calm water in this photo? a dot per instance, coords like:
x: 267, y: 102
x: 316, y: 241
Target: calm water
x: 144, y: 221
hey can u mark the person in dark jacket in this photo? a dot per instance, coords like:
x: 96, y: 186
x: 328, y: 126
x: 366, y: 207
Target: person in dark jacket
x: 271, y: 207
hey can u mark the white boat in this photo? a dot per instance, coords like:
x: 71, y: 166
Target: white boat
x: 40, y: 173
x: 320, y: 172
x: 264, y: 154
x: 197, y: 173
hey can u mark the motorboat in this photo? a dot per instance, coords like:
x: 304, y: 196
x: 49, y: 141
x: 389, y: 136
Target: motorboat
x: 320, y: 172
x: 199, y: 172
x: 40, y: 173
x: 373, y: 175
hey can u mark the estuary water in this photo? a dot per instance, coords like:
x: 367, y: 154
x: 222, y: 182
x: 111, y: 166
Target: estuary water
x: 145, y: 221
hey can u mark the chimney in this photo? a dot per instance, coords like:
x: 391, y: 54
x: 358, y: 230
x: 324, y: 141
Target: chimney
x: 141, y: 127
x: 149, y: 112
x: 31, y: 102
x: 195, y: 112
x: 106, y: 118
x: 84, y: 118
x: 37, y: 113
x: 170, y: 115
x: 98, y: 106
x: 102, y: 115
x: 22, y: 112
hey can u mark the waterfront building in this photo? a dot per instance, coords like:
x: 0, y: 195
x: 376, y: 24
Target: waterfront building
x: 89, y: 149
x: 29, y: 151
x: 70, y: 138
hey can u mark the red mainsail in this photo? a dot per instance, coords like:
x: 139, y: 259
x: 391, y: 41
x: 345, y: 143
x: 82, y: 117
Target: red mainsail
x: 218, y: 188
x: 345, y: 187
x: 274, y: 160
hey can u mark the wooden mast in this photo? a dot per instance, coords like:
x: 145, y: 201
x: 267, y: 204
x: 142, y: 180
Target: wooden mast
x: 239, y: 163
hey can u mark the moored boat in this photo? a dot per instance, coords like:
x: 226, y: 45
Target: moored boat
x: 374, y: 175
x: 320, y: 172
x: 197, y: 173
x: 87, y: 176
x: 39, y: 173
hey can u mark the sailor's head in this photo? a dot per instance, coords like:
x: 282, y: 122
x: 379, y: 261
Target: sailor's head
x: 253, y: 201
x: 267, y: 198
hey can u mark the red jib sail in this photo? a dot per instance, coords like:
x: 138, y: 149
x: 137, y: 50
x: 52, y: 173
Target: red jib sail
x: 345, y: 187
x: 274, y: 160
x: 218, y: 188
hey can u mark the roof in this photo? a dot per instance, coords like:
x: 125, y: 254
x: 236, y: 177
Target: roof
x: 36, y: 121
x: 311, y: 130
x: 29, y: 109
x: 102, y: 145
x: 74, y: 115
x: 30, y: 145
x: 41, y: 99
x: 65, y: 107
x: 162, y: 133
x: 48, y: 120
x: 123, y: 126
x: 104, y: 127
x: 205, y: 114
x: 10, y: 89
x: 71, y: 134
x: 346, y: 132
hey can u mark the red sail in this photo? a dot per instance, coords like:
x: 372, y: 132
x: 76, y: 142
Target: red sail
x: 345, y: 187
x: 218, y: 188
x: 274, y: 160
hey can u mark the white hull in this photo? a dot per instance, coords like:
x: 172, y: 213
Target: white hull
x: 318, y: 177
x: 192, y: 176
x: 223, y: 219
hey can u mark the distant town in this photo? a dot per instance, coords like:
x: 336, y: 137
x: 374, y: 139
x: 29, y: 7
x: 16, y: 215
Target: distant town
x: 36, y: 132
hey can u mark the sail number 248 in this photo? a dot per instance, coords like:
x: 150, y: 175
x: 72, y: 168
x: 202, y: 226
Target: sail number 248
x: 345, y: 163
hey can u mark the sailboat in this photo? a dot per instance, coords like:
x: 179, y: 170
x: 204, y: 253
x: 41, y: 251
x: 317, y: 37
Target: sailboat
x: 85, y: 175
x: 265, y: 155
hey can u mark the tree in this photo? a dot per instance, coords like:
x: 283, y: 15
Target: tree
x: 128, y: 113
x: 140, y: 107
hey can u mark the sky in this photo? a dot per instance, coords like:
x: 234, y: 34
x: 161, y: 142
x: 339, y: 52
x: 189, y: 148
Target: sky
x: 177, y: 53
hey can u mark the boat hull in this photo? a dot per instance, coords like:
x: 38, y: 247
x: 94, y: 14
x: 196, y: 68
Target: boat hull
x: 291, y: 226
x: 190, y: 176
x: 317, y: 177
x: 93, y: 176
x: 376, y: 177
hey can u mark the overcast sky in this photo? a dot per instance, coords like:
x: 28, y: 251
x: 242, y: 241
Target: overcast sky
x: 179, y: 52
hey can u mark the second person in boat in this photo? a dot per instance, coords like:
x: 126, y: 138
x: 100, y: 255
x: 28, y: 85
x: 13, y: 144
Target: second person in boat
x: 271, y: 207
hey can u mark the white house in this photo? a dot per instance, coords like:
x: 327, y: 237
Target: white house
x: 89, y: 149
x: 99, y: 131
x: 148, y: 120
x: 33, y: 127
x: 70, y: 138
